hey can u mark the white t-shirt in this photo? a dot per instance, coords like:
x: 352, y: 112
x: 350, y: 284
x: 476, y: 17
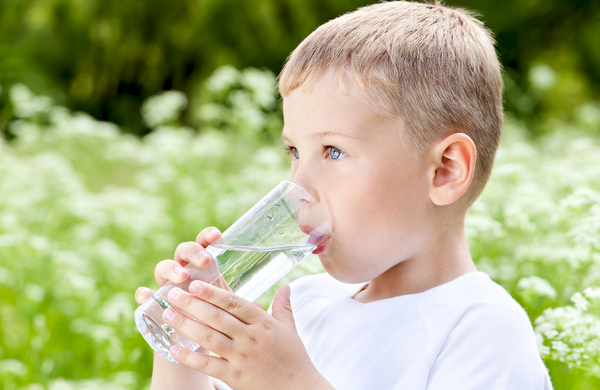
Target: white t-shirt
x: 466, y: 334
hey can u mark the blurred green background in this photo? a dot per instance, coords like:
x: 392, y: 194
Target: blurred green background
x: 106, y: 57
x: 126, y: 127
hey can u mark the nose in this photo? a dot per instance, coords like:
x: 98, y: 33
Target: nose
x: 310, y: 215
x: 304, y: 176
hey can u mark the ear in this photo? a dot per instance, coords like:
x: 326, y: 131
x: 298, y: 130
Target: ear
x: 452, y: 168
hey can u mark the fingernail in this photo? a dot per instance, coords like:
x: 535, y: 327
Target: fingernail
x: 174, y: 350
x: 179, y: 270
x: 174, y: 294
x: 202, y: 255
x: 195, y: 287
x: 169, y: 314
x: 214, y: 232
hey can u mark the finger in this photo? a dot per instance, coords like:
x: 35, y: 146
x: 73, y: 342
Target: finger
x: 142, y: 294
x: 170, y: 270
x: 228, y: 301
x: 200, y: 333
x: 282, y: 308
x: 211, y: 315
x: 208, y: 236
x: 191, y: 252
x: 210, y: 365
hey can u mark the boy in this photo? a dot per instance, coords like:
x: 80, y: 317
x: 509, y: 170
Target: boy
x: 392, y: 114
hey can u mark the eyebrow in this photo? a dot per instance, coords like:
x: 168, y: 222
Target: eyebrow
x: 324, y: 134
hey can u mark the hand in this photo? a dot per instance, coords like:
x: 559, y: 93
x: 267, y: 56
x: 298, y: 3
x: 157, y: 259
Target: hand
x: 257, y: 350
x: 186, y: 252
x: 166, y: 375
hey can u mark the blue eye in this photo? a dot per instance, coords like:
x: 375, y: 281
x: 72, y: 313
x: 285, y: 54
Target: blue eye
x: 292, y: 151
x: 336, y: 154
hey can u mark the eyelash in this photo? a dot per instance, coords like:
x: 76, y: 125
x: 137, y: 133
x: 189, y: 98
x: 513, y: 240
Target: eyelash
x: 289, y: 150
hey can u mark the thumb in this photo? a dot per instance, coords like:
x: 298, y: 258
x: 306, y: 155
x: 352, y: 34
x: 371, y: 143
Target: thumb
x: 282, y: 308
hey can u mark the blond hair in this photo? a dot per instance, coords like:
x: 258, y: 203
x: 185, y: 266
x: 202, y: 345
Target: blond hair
x: 431, y: 66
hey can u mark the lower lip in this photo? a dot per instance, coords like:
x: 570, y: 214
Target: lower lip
x: 321, y: 247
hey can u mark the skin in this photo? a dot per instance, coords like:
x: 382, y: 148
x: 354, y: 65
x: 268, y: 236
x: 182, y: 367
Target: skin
x: 397, y: 223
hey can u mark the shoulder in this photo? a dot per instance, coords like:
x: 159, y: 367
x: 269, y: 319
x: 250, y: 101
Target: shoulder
x: 476, y: 306
x: 472, y: 297
x: 486, y: 333
x: 490, y: 306
x: 485, y: 301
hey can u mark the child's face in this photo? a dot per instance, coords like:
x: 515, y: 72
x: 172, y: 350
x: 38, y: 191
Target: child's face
x: 354, y: 162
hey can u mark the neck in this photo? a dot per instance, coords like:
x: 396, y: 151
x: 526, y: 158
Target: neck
x: 446, y: 259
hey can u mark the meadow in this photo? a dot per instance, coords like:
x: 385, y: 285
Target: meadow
x: 86, y: 212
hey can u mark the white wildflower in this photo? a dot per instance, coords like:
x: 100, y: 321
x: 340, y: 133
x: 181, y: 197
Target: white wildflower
x: 243, y: 108
x: 580, y: 302
x: 117, y: 308
x: 542, y: 76
x: 589, y: 113
x: 222, y: 79
x: 13, y: 366
x: 163, y: 108
x: 263, y: 85
x: 537, y: 285
x: 482, y: 225
x: 35, y: 292
x: 572, y: 334
x: 26, y: 104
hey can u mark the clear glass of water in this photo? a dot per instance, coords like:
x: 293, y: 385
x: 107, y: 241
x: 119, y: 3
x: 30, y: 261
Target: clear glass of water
x: 253, y: 254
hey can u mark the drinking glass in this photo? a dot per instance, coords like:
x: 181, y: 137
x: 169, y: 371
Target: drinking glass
x: 253, y: 254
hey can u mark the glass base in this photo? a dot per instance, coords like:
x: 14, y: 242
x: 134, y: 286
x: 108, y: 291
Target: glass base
x: 157, y: 336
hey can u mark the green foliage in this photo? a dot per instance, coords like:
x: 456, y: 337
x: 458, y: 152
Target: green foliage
x: 87, y: 211
x: 536, y: 231
x: 85, y: 214
x: 106, y: 57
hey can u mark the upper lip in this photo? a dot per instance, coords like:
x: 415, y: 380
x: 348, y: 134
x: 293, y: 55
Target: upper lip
x: 315, y: 235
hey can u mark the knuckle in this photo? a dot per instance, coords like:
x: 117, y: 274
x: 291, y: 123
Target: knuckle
x: 164, y: 268
x: 203, y: 364
x: 253, y: 337
x: 231, y: 303
x: 179, y: 247
x: 208, y: 293
x: 267, y: 325
x: 182, y: 249
x: 202, y: 235
x: 237, y: 375
x: 186, y: 301
x: 199, y: 361
x: 178, y: 321
x: 208, y: 336
x: 215, y: 315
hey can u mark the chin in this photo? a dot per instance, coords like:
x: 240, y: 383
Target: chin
x: 343, y: 275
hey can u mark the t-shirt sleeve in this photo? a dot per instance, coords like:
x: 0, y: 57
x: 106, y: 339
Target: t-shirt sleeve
x: 490, y: 348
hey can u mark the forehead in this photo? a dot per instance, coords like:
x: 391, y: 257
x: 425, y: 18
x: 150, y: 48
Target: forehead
x: 367, y: 84
x: 324, y: 109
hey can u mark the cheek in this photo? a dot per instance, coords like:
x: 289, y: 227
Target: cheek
x: 378, y: 211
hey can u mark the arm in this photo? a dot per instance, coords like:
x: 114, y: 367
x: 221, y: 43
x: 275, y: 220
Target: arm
x: 166, y: 375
